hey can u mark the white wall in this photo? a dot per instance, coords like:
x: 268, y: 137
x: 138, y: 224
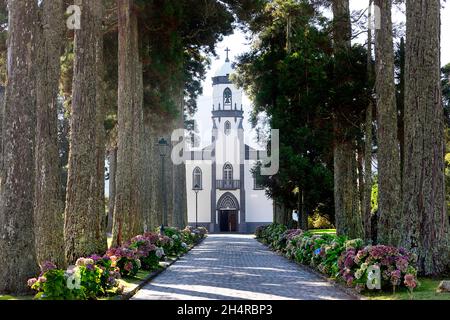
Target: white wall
x: 258, y: 208
x: 204, y: 195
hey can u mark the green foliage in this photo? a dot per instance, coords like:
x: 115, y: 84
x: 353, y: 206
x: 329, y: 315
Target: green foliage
x: 319, y: 221
x: 52, y: 285
x: 97, y: 276
x: 374, y: 194
x: 341, y: 258
x: 297, y: 85
x: 175, y: 245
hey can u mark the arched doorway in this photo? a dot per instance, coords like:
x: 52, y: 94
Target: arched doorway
x: 228, y: 207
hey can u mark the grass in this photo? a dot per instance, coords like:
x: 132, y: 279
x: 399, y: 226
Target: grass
x: 426, y: 291
x: 8, y: 297
x: 322, y: 231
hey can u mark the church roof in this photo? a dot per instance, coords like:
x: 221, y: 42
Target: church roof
x: 224, y: 70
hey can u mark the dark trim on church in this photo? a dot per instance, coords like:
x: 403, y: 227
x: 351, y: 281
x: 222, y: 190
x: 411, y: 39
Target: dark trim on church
x: 242, y: 222
x: 228, y: 114
x: 221, y: 80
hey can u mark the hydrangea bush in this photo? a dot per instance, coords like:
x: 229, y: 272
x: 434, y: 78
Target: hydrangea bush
x: 349, y: 260
x: 98, y: 275
x: 396, y: 266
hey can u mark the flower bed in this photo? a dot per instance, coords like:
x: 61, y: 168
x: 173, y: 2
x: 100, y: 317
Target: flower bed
x: 348, y: 260
x: 98, y: 275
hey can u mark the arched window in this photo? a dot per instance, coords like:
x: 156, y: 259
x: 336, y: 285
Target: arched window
x: 227, y: 98
x: 227, y: 172
x: 227, y: 127
x: 197, y: 179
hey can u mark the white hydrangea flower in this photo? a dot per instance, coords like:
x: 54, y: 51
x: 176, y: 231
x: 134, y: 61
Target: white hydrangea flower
x: 159, y: 252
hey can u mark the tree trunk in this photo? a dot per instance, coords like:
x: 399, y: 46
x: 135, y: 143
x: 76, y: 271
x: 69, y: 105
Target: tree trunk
x: 346, y: 196
x: 179, y: 175
x: 100, y: 136
x: 367, y: 197
x: 281, y: 213
x: 112, y: 158
x: 81, y: 213
x: 389, y: 183
x: 425, y: 224
x: 17, y: 244
x: 347, y: 209
x: 149, y: 174
x: 128, y: 220
x: 48, y: 207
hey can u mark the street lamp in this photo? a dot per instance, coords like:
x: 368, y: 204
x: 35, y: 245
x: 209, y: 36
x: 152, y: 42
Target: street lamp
x: 196, y: 189
x: 163, y: 146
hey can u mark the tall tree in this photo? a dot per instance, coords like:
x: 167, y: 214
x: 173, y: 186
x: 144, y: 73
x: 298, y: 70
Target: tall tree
x: 48, y: 205
x: 80, y: 226
x: 425, y: 223
x: 128, y: 220
x: 346, y: 198
x: 389, y: 182
x: 17, y: 242
x: 100, y: 135
x: 366, y: 209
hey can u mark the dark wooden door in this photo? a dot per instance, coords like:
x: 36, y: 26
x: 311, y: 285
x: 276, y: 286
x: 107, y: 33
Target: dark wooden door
x: 228, y: 220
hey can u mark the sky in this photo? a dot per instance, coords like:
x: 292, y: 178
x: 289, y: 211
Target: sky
x: 238, y: 45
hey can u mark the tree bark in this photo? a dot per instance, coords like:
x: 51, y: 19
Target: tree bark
x: 80, y: 229
x: 48, y: 207
x: 128, y: 216
x: 367, y: 197
x: 100, y: 142
x: 179, y: 174
x: 388, y: 155
x: 346, y: 198
x: 17, y: 241
x: 425, y: 223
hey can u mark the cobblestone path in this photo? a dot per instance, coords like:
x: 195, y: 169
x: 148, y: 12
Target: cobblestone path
x: 234, y: 266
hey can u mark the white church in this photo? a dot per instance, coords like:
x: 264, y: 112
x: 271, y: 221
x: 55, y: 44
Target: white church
x: 222, y: 192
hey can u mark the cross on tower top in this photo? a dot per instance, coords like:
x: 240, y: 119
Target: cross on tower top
x: 227, y: 50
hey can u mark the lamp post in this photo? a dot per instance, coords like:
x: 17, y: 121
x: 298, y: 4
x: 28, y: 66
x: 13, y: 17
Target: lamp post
x: 163, y: 146
x: 196, y: 190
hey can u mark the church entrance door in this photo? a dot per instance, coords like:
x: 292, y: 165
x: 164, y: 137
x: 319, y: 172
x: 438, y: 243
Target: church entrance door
x: 228, y: 220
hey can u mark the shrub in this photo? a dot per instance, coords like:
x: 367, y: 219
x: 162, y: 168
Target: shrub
x: 149, y: 254
x: 259, y: 232
x: 318, y: 221
x: 191, y: 235
x: 396, y: 265
x: 84, y: 281
x: 272, y: 233
x: 90, y: 276
x: 126, y: 259
x: 330, y: 253
x: 110, y: 274
x: 52, y: 285
x: 98, y: 275
x: 176, y: 245
x: 341, y: 258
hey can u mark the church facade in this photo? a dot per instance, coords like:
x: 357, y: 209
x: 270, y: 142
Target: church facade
x: 223, y: 194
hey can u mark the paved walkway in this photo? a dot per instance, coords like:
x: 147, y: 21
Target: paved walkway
x: 232, y: 266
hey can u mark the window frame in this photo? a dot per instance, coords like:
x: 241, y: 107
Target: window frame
x: 197, y: 172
